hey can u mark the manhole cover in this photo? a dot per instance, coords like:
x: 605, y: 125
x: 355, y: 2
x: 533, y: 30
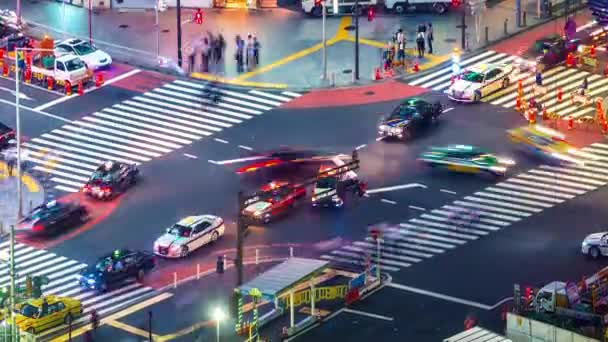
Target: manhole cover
x: 368, y: 93
x: 450, y: 40
x: 350, y: 28
x: 347, y: 71
x: 165, y: 31
x: 123, y: 26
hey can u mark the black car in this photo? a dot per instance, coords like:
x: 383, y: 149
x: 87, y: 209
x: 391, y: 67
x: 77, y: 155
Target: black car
x: 556, y: 52
x: 53, y: 217
x: 114, y: 269
x: 110, y: 179
x: 408, y: 118
x: 6, y: 135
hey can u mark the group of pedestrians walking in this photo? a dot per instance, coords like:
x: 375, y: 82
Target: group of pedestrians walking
x: 211, y: 49
x: 395, y: 53
x: 247, y: 54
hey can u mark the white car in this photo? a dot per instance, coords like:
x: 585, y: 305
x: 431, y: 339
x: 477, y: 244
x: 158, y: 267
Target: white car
x: 479, y: 81
x: 90, y: 55
x: 595, y: 245
x: 189, y: 234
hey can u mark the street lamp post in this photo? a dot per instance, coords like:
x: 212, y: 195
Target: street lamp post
x: 218, y: 315
x: 324, y: 76
x: 357, y: 13
x: 18, y: 129
x: 156, y: 9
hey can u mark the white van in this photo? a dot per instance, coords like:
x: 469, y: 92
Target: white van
x: 337, y: 7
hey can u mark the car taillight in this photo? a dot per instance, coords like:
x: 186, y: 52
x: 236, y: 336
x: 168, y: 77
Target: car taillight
x: 38, y: 228
x: 106, y: 189
x: 86, y: 188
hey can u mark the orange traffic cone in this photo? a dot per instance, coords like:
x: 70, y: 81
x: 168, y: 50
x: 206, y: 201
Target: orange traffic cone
x: 99, y: 79
x: 80, y: 90
x: 518, y: 103
x: 604, y: 127
x: 377, y: 76
x: 569, y: 60
x: 5, y: 70
x: 416, y: 66
x: 592, y: 50
x: 68, y: 88
x: 49, y: 83
x: 570, y: 123
x: 559, y: 94
x: 520, y: 88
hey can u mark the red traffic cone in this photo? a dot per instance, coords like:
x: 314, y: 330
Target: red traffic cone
x: 569, y: 60
x: 80, y: 90
x: 518, y: 103
x: 606, y: 70
x: 1, y: 53
x: 559, y: 94
x: 28, y: 75
x: 377, y: 76
x: 49, y: 83
x: 5, y: 70
x: 68, y: 88
x: 416, y: 66
x: 604, y: 127
x: 99, y: 79
x: 532, y: 117
x: 570, y: 123
x: 545, y: 115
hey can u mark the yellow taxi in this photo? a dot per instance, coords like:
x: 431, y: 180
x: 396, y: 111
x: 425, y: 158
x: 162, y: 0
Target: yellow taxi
x: 40, y: 314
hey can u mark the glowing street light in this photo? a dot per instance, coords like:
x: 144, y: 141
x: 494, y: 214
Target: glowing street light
x: 218, y: 316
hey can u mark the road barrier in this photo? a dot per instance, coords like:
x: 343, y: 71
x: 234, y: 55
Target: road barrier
x: 321, y: 293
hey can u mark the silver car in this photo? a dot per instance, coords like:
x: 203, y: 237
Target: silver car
x: 189, y: 234
x: 595, y: 245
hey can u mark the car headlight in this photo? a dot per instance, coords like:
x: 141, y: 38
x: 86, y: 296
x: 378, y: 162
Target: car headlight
x: 257, y: 213
x: 585, y: 243
x: 91, y: 281
x: 175, y: 249
x: 335, y: 198
x: 314, y: 198
x: 498, y: 169
x: 395, y: 130
x: 506, y: 161
x: 383, y: 127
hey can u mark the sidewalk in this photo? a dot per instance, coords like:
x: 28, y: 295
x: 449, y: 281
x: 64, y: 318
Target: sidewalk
x: 33, y: 195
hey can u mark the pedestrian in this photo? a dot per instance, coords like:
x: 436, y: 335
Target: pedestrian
x: 584, y: 86
x: 191, y: 55
x: 400, y: 46
x: 239, y: 53
x: 422, y: 28
x: 221, y: 42
x: 250, y: 54
x: 430, y: 37
x: 205, y: 55
x: 420, y: 44
x: 10, y: 156
x: 256, y: 50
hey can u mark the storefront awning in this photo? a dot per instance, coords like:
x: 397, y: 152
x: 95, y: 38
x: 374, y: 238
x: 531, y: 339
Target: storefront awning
x: 283, y: 276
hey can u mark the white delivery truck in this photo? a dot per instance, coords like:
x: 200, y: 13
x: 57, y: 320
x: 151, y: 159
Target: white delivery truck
x: 337, y: 7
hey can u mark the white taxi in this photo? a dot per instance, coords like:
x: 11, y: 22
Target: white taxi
x: 479, y: 81
x: 90, y: 55
x: 189, y: 234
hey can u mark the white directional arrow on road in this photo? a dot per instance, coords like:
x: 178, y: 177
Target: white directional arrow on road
x: 21, y: 95
x: 396, y: 187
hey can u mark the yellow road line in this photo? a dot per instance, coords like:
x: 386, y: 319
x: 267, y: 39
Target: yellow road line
x: 213, y: 78
x: 27, y: 180
x: 133, y: 330
x: 285, y: 60
x: 342, y: 32
x: 186, y: 331
x: 116, y: 316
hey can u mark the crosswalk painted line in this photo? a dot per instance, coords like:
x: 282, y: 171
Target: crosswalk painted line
x: 566, y: 79
x: 62, y: 273
x: 463, y: 221
x: 147, y: 126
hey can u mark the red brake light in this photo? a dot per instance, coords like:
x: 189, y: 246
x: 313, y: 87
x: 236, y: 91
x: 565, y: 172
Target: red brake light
x: 38, y: 228
x: 86, y: 188
x: 455, y: 3
x: 106, y: 189
x: 317, y: 2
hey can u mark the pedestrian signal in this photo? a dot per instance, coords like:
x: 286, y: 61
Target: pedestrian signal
x: 198, y: 17
x: 317, y: 3
x: 370, y: 14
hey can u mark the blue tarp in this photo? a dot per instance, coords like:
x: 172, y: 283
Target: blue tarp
x: 283, y: 276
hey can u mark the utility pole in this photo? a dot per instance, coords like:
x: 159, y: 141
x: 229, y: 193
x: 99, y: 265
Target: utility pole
x: 19, y: 12
x: 150, y: 326
x: 356, y: 14
x: 12, y: 285
x: 179, y: 33
x: 156, y: 9
x: 324, y: 76
x: 463, y: 27
x: 240, y: 230
x: 90, y: 21
x: 18, y: 129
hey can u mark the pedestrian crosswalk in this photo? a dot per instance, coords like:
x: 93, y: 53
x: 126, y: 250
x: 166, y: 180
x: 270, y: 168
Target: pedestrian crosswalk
x: 560, y: 77
x: 498, y: 206
x: 62, y: 273
x: 146, y: 126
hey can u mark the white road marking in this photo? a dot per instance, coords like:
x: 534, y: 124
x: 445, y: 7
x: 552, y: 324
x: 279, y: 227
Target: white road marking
x: 367, y: 314
x: 21, y: 95
x: 448, y: 110
x: 190, y: 156
x: 448, y: 191
x: 213, y: 162
x: 388, y: 201
x: 416, y: 208
x: 246, y: 147
x: 221, y: 140
x: 361, y: 146
x: 440, y: 296
x: 239, y: 160
x: 289, y: 93
x: 396, y: 187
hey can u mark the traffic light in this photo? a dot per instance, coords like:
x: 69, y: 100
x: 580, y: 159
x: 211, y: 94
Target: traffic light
x: 371, y: 13
x: 477, y: 6
x: 198, y: 17
x: 317, y: 3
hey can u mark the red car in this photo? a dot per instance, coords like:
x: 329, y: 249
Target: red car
x: 282, y: 197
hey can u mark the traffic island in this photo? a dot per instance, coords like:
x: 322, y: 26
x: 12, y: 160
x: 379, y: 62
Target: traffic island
x: 33, y: 195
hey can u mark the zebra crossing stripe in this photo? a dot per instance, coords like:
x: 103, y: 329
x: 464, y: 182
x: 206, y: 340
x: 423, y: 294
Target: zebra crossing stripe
x: 525, y: 195
x: 513, y: 199
x: 465, y: 62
